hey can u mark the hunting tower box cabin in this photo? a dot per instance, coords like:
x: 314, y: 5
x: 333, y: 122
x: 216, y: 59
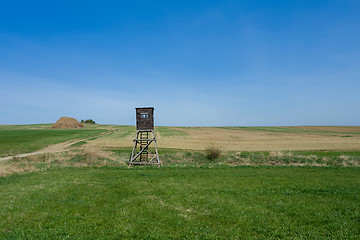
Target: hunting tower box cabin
x: 145, y: 118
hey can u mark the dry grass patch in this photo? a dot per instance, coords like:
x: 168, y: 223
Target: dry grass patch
x: 245, y: 140
x: 82, y: 157
x: 280, y: 154
x: 239, y: 139
x: 339, y: 129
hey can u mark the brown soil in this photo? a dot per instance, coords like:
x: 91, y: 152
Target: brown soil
x: 67, y: 122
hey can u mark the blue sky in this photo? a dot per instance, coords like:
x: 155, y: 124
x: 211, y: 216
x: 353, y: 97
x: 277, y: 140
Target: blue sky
x: 199, y: 63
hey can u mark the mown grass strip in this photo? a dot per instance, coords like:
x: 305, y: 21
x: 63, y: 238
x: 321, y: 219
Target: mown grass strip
x: 80, y: 143
x: 171, y: 132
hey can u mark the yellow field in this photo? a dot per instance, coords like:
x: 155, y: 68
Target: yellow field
x: 242, y: 139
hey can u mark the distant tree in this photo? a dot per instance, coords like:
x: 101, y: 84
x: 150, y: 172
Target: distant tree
x: 82, y: 121
x: 90, y: 121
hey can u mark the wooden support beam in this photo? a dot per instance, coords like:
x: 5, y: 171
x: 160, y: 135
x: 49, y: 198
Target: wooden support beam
x: 140, y: 156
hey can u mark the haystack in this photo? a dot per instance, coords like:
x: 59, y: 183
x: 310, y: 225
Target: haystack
x: 67, y: 122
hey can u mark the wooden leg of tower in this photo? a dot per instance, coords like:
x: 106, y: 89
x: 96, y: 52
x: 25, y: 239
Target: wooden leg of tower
x: 147, y: 148
x: 133, y: 153
x: 156, y: 150
x: 143, y: 147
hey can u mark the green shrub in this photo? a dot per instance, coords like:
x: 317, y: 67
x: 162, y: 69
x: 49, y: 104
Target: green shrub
x: 213, y: 152
x: 87, y: 121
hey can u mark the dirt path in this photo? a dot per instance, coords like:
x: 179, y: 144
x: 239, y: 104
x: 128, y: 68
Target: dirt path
x: 59, y: 147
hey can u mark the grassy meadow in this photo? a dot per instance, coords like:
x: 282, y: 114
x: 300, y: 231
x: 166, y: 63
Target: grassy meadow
x: 268, y: 183
x: 182, y: 203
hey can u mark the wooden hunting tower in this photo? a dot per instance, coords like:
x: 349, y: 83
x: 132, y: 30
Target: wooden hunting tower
x: 145, y: 118
x: 143, y: 153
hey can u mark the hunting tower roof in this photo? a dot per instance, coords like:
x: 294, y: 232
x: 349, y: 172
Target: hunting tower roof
x: 145, y: 108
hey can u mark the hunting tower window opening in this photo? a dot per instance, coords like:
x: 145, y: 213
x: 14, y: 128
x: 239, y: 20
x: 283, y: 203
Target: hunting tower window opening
x: 144, y: 115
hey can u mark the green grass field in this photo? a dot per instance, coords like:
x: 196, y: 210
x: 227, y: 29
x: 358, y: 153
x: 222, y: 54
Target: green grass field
x: 191, y: 203
x: 267, y: 192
